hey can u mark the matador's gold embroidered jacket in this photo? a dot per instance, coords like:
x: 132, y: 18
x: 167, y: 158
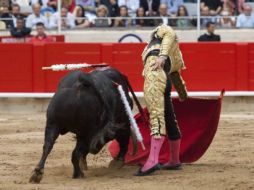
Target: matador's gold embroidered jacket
x: 164, y: 40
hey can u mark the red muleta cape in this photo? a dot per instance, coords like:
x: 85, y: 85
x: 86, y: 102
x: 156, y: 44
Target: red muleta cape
x: 198, y: 120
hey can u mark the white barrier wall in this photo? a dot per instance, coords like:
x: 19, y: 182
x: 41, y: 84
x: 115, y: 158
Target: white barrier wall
x: 112, y: 35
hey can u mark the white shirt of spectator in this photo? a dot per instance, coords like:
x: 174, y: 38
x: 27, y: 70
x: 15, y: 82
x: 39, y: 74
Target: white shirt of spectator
x: 32, y: 20
x: 164, y: 20
x: 44, y: 2
x: 70, y: 20
x: 132, y: 5
x: 14, y: 20
x: 85, y: 2
x: 244, y: 21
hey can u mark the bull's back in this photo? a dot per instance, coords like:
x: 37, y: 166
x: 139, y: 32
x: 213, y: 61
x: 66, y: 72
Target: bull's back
x: 74, y: 106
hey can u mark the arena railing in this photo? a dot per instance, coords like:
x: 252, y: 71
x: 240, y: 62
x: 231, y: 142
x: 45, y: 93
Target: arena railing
x: 194, y: 22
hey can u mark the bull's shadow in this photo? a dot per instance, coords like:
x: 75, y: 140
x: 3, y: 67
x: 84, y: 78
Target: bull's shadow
x: 88, y: 105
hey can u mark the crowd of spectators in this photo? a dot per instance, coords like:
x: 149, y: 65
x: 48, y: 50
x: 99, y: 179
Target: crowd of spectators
x: 122, y: 13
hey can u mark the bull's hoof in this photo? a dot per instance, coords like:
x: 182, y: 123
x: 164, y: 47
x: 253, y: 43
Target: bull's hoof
x: 78, y: 175
x: 83, y: 164
x: 116, y: 164
x: 36, y: 176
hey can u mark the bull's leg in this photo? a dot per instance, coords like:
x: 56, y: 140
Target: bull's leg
x: 51, y: 134
x: 79, y: 158
x: 122, y: 137
x: 83, y: 162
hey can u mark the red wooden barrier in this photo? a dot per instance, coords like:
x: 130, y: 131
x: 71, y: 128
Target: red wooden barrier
x: 210, y: 66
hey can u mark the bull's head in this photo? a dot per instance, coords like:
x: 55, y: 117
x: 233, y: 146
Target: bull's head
x: 105, y: 135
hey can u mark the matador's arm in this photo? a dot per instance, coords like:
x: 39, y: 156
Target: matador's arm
x: 168, y: 37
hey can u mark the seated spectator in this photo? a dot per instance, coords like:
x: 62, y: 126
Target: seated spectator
x: 183, y: 22
x: 142, y: 22
x: 89, y: 6
x: 246, y: 19
x: 226, y: 20
x: 36, y: 17
x: 20, y: 30
x: 67, y: 19
x: 15, y: 12
x: 41, y: 36
x: 102, y: 20
x: 172, y: 5
x: 4, y: 3
x: 151, y: 7
x: 205, y: 13
x: 165, y: 18
x: 112, y: 6
x: 214, y: 6
x: 209, y: 36
x: 132, y: 6
x: 120, y: 21
x: 6, y: 17
x: 80, y: 20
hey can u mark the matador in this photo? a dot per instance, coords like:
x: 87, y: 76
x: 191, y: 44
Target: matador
x: 163, y: 63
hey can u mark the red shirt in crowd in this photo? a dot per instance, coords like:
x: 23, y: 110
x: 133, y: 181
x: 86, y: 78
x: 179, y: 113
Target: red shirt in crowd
x: 44, y: 39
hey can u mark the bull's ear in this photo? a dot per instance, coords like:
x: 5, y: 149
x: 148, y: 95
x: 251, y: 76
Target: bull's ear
x: 85, y: 79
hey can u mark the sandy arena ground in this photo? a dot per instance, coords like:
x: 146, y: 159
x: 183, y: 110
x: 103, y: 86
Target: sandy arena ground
x: 228, y: 163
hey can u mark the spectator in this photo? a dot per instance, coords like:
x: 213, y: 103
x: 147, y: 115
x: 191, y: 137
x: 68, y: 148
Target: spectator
x: 172, y: 5
x: 12, y: 16
x: 246, y: 19
x: 120, y: 21
x: 6, y: 17
x: 151, y: 7
x: 36, y: 17
x: 47, y: 12
x: 80, y: 20
x: 89, y: 6
x: 4, y: 3
x: 142, y: 22
x: 41, y: 36
x: 214, y: 6
x: 226, y: 20
x: 132, y: 6
x: 102, y: 20
x: 67, y: 19
x: 112, y: 6
x: 183, y: 22
x: 164, y: 16
x: 205, y: 13
x: 20, y: 30
x: 209, y: 36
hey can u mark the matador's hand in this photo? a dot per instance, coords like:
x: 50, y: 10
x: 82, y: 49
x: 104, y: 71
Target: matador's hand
x: 158, y: 64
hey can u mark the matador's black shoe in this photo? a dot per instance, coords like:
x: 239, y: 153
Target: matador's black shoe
x: 149, y: 171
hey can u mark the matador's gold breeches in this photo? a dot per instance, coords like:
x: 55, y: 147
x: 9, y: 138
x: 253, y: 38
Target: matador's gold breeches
x: 154, y: 89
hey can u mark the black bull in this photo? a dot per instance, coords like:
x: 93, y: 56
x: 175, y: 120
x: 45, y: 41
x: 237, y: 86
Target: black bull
x: 88, y: 105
